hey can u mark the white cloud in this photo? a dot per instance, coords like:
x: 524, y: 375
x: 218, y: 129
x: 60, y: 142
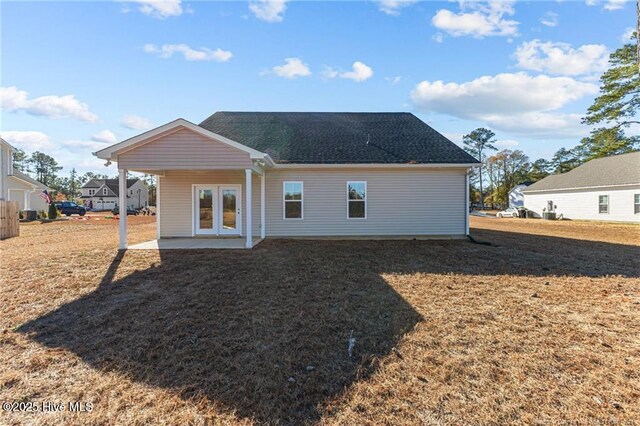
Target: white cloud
x: 516, y: 102
x: 135, y: 122
x: 478, y: 19
x: 359, y: 72
x: 438, y: 37
x: 160, y: 9
x: 293, y: 67
x: 105, y: 136
x: 14, y: 100
x: 394, y: 80
x: 75, y: 145
x: 28, y: 140
x: 268, y: 10
x: 608, y: 4
x: 561, y: 58
x: 626, y: 37
x: 190, y: 54
x: 614, y: 4
x: 393, y: 7
x: 506, y: 143
x: 550, y: 19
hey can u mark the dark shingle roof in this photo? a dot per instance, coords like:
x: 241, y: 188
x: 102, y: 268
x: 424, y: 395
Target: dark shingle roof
x: 114, y: 186
x: 338, y: 137
x: 621, y: 169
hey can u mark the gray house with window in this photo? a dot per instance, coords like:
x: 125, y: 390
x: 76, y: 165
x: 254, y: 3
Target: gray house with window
x: 253, y: 175
x: 605, y: 189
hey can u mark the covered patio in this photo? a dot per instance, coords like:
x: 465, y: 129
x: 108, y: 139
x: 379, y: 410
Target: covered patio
x: 207, y: 194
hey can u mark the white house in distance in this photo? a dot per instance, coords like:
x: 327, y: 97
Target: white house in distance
x: 317, y: 175
x: 17, y: 186
x: 605, y: 189
x: 103, y: 194
x: 27, y: 192
x: 516, y: 197
x: 6, y: 168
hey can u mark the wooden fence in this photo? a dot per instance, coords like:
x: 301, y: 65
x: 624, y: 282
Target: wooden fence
x: 9, y: 219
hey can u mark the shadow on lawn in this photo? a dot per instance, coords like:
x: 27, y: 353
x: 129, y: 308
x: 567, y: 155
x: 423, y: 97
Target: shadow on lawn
x: 241, y: 327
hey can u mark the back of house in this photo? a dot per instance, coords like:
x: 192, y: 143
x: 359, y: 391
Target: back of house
x: 302, y: 175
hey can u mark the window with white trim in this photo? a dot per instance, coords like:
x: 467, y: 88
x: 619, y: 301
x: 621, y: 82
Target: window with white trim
x: 92, y: 191
x: 357, y: 200
x: 104, y: 191
x: 636, y: 203
x: 292, y: 199
x: 603, y: 204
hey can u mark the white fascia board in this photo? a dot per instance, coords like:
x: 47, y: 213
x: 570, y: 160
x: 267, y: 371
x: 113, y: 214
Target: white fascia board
x: 111, y: 153
x: 376, y: 166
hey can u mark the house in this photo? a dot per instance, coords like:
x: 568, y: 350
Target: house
x: 603, y: 189
x: 300, y: 175
x: 516, y: 197
x: 102, y: 194
x: 6, y: 168
x: 27, y: 192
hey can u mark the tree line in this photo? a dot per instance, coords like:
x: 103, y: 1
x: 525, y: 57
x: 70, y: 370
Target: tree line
x: 612, y: 112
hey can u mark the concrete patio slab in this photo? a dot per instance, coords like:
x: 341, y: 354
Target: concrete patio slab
x: 194, y: 244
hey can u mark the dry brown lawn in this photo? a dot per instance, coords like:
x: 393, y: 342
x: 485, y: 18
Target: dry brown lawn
x: 541, y: 327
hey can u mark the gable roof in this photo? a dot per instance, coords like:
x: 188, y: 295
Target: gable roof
x: 28, y: 179
x: 617, y: 170
x: 112, y: 185
x: 110, y: 153
x: 338, y: 137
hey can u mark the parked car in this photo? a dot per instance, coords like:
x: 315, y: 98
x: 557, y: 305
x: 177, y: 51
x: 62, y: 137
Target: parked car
x: 69, y: 208
x: 510, y: 212
x: 130, y: 211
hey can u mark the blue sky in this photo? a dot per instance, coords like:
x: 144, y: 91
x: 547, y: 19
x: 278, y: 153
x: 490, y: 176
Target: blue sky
x: 78, y: 76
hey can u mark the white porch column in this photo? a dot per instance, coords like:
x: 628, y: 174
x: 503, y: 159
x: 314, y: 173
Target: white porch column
x: 158, y: 207
x: 122, y: 207
x: 27, y: 198
x: 247, y: 207
x: 263, y: 207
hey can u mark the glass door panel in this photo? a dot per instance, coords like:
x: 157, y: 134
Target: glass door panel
x: 230, y: 212
x: 205, y: 210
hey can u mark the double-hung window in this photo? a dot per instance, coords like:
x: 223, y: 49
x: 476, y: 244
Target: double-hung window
x: 104, y: 191
x: 92, y: 191
x: 292, y: 194
x: 357, y: 200
x: 603, y: 204
x: 636, y: 203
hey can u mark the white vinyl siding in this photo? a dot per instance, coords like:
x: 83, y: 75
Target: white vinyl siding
x: 399, y: 202
x: 183, y: 150
x: 585, y: 204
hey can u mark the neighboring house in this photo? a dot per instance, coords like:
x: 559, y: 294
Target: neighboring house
x: 102, y: 194
x: 516, y: 197
x: 26, y: 191
x: 307, y: 175
x: 602, y: 189
x: 6, y: 167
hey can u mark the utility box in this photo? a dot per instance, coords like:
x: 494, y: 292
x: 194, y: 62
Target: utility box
x: 549, y: 215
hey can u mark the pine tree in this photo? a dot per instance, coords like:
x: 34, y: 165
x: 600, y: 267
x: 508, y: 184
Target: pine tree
x: 617, y: 106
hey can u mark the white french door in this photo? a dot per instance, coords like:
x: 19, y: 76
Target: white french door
x: 217, y: 209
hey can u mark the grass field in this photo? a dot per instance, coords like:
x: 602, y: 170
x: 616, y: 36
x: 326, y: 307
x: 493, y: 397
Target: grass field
x: 541, y: 327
